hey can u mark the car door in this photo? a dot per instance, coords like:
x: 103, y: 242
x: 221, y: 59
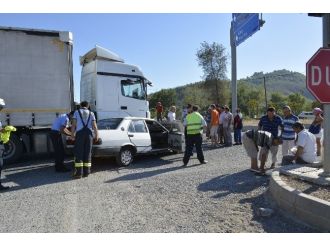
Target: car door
x: 139, y: 135
x: 176, y: 139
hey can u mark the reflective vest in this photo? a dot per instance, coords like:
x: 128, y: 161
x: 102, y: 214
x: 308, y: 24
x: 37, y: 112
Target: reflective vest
x: 5, y: 134
x: 194, y: 123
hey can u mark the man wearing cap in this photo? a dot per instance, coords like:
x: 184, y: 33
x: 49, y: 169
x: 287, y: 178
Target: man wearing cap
x: 59, y: 127
x: 305, y: 151
x: 2, y: 148
x: 288, y: 134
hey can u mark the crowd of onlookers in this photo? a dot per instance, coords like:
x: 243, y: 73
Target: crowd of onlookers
x: 220, y: 122
x: 299, y: 145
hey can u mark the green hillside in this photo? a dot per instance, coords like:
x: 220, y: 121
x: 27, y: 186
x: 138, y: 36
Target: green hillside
x: 283, y: 81
x: 283, y: 87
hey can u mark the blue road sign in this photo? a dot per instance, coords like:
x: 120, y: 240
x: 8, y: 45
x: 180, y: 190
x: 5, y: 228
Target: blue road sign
x: 244, y: 25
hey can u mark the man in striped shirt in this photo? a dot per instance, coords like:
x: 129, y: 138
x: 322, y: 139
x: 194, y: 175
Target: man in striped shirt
x: 288, y: 134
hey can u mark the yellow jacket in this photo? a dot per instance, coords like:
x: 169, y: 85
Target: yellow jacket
x: 5, y: 134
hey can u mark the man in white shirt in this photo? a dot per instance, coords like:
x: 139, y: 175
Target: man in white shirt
x: 222, y: 115
x: 305, y: 150
x: 227, y: 121
x: 171, y: 114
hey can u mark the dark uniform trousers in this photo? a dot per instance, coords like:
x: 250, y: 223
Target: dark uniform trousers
x: 56, y: 138
x: 191, y: 141
x: 2, y: 149
x: 83, y: 152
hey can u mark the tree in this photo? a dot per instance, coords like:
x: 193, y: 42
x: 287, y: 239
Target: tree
x: 278, y: 100
x: 166, y: 96
x: 213, y: 60
x: 296, y: 101
x: 316, y: 103
x: 196, y: 95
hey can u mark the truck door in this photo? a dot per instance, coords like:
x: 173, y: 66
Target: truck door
x: 139, y: 135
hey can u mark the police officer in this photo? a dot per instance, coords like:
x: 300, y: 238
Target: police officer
x: 83, y: 124
x: 59, y: 127
x: 2, y: 148
x: 194, y: 123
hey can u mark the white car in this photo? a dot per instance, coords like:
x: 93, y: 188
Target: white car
x: 306, y: 115
x: 129, y: 136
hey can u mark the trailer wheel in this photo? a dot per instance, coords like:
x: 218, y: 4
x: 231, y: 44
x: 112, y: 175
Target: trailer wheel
x: 13, y: 149
x: 125, y: 156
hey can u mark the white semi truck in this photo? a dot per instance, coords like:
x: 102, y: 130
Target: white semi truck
x: 36, y: 82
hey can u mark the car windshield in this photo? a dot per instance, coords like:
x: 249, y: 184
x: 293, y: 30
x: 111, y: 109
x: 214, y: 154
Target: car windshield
x: 109, y: 124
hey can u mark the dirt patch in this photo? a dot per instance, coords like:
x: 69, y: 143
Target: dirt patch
x: 322, y: 192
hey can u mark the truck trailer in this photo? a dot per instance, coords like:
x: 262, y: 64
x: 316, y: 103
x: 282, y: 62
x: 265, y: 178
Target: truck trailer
x: 36, y: 81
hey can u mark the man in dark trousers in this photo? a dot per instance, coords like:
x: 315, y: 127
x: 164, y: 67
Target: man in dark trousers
x: 59, y: 127
x: 83, y: 125
x: 195, y: 124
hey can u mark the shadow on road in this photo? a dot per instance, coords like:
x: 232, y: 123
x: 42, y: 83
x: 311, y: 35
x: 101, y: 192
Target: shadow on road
x: 148, y: 174
x: 240, y: 182
x: 40, y: 171
x: 33, y: 175
x: 243, y: 183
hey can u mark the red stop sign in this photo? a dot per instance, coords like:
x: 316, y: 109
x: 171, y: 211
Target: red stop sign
x: 318, y: 75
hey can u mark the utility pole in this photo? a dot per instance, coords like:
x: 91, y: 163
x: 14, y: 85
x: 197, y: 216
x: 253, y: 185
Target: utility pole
x: 326, y: 124
x: 265, y: 93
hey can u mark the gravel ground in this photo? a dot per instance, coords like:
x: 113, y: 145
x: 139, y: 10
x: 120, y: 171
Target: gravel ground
x: 154, y: 194
x: 318, y: 191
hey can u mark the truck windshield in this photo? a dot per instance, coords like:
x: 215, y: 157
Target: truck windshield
x: 133, y: 88
x: 109, y: 124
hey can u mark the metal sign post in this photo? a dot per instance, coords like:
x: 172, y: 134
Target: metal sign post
x: 326, y: 124
x: 242, y: 27
x: 233, y: 71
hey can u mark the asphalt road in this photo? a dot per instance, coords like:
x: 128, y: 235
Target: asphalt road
x: 154, y: 194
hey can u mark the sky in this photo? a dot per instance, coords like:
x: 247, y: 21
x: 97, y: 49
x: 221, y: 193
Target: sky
x: 164, y: 46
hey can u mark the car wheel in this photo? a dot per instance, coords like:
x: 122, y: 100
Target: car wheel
x: 125, y: 156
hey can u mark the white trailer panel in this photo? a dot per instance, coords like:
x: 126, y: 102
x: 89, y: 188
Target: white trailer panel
x: 35, y: 75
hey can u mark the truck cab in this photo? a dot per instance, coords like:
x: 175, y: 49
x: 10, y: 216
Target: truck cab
x: 113, y: 87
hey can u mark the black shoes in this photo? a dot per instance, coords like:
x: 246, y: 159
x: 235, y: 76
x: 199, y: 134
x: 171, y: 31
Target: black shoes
x: 204, y: 162
x: 184, y: 164
x: 3, y: 188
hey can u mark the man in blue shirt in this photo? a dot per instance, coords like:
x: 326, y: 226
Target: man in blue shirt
x: 288, y: 134
x: 59, y: 127
x: 271, y: 123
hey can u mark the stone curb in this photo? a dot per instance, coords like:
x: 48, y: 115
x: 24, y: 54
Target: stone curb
x: 306, y: 208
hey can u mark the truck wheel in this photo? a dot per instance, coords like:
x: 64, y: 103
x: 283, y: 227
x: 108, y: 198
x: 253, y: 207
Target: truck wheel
x: 125, y: 156
x: 13, y: 149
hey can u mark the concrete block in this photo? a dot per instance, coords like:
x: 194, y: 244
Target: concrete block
x: 312, y: 219
x: 288, y: 206
x: 313, y: 205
